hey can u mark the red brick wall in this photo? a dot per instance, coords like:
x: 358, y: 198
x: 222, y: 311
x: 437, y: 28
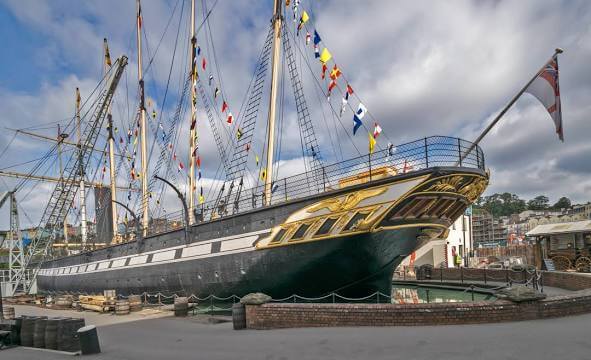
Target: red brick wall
x: 275, y: 315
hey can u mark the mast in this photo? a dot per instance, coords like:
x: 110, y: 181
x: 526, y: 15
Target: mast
x: 143, y: 138
x: 277, y: 19
x: 80, y: 173
x: 60, y: 138
x: 112, y: 178
x: 193, y: 131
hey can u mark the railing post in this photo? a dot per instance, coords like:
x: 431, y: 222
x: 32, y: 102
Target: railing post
x: 460, y: 153
x: 462, y: 275
x: 426, y: 154
x: 323, y: 178
x: 484, y: 276
x: 369, y: 163
x: 285, y: 187
x: 428, y: 299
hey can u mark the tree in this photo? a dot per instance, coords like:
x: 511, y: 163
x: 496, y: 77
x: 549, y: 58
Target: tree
x: 562, y: 203
x: 540, y: 202
x: 504, y: 204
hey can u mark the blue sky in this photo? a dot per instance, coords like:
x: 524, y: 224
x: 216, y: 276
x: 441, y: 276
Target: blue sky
x: 426, y: 68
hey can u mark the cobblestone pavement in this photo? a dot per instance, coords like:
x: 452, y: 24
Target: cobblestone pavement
x: 191, y: 338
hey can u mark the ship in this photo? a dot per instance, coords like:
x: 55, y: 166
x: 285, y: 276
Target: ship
x: 339, y: 228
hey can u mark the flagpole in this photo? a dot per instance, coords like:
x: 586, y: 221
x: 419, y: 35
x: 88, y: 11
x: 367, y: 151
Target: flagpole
x: 111, y: 140
x: 277, y: 19
x: 193, y: 130
x: 507, y: 107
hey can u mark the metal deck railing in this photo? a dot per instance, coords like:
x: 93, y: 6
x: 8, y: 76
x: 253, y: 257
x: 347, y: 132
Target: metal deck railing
x: 435, y: 151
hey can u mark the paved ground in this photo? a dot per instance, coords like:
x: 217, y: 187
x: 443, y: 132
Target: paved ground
x: 173, y: 338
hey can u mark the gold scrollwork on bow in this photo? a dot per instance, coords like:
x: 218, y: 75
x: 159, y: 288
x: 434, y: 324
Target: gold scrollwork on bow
x: 346, y: 203
x: 470, y: 187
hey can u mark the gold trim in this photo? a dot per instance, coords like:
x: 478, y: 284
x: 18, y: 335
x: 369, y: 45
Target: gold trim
x: 466, y: 185
x: 349, y: 202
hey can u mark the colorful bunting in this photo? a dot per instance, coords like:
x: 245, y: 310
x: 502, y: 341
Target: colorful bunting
x: 372, y: 143
x: 263, y: 174
x: 238, y: 134
x: 359, y: 114
x: 216, y: 92
x: 224, y: 106
x: 316, y: 38
x: 335, y: 72
x: 303, y: 19
x: 210, y: 79
x: 308, y: 38
x: 203, y: 63
x: 201, y: 198
x: 325, y: 56
x: 230, y: 118
x: 377, y: 129
x: 256, y: 159
x: 324, y: 68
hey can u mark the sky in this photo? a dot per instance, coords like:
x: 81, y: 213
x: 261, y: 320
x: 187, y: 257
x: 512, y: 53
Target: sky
x: 421, y: 68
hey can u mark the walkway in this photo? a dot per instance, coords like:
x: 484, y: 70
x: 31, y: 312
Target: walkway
x: 174, y: 338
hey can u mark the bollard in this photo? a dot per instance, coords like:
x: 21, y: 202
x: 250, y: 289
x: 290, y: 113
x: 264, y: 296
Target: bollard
x: 472, y: 291
x: 89, y: 342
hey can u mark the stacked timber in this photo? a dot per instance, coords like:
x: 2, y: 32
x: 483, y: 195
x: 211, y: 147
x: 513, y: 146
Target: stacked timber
x: 97, y: 303
x: 122, y: 307
x: 181, y: 306
x: 135, y: 302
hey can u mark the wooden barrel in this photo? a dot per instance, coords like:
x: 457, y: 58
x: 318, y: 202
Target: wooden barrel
x: 51, y: 333
x: 181, y: 306
x: 239, y: 316
x: 122, y: 307
x: 68, y: 337
x: 135, y: 302
x: 39, y: 332
x: 63, y: 302
x: 61, y: 330
x: 15, y: 337
x: 8, y: 313
x: 27, y: 329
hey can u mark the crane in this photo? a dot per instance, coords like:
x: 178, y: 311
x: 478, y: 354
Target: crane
x: 62, y: 196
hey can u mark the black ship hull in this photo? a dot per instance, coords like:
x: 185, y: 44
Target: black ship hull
x: 376, y: 225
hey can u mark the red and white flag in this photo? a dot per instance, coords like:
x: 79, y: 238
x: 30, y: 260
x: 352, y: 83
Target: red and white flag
x: 546, y: 89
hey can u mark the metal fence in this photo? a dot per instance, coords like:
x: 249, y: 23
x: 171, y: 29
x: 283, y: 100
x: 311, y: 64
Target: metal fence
x: 498, y: 278
x: 435, y: 151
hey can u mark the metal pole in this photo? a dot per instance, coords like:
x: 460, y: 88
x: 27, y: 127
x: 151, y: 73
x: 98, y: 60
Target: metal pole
x: 144, y: 138
x: 182, y: 198
x: 502, y: 113
x: 426, y: 154
x: 277, y: 20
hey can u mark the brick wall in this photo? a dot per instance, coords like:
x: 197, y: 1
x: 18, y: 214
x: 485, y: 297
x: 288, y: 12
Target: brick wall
x: 275, y: 315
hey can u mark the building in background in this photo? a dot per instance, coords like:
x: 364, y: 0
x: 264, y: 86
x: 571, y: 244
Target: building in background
x: 451, y: 251
x: 488, y: 231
